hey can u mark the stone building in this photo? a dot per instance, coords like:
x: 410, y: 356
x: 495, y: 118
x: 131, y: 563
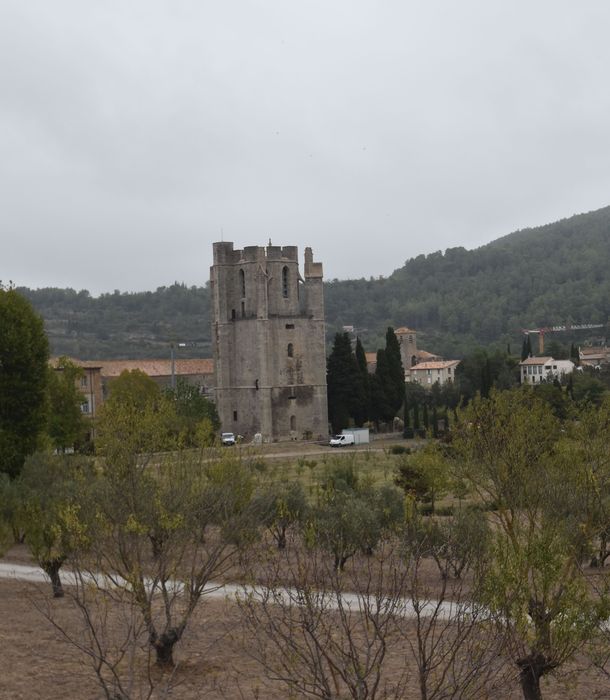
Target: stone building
x: 268, y: 342
x: 410, y: 355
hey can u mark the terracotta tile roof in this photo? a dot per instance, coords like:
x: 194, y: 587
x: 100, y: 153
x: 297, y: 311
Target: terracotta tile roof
x: 536, y: 361
x: 157, y: 368
x: 599, y: 350
x: 85, y: 364
x: 403, y: 331
x: 154, y: 368
x: 442, y: 364
x: 424, y: 355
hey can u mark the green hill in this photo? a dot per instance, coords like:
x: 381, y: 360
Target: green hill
x: 456, y: 300
x: 535, y: 277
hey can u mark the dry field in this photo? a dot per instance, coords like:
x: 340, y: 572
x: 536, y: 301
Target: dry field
x: 214, y: 659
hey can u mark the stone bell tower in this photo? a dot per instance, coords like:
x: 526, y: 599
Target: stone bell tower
x: 269, y: 342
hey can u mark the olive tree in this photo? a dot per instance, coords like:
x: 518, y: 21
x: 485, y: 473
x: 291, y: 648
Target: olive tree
x: 508, y: 450
x: 49, y: 499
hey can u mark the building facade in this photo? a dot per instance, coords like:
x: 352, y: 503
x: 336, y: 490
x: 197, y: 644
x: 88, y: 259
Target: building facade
x: 268, y: 342
x: 535, y: 370
x: 428, y: 373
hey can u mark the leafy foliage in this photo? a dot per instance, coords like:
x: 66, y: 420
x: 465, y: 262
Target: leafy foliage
x: 24, y: 352
x: 66, y: 421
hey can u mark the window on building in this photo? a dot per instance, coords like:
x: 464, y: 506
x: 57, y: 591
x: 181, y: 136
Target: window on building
x: 290, y: 350
x: 293, y: 422
x: 234, y: 415
x: 243, y: 309
x: 84, y: 407
x: 289, y: 326
x: 242, y: 282
x: 83, y: 381
x: 285, y: 282
x: 233, y: 314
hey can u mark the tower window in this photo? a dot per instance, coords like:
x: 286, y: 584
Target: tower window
x: 285, y: 282
x: 293, y: 422
x: 242, y: 282
x: 290, y: 350
x: 234, y: 415
x: 233, y: 314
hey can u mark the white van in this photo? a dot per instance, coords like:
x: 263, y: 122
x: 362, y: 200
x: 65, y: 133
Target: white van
x: 342, y: 440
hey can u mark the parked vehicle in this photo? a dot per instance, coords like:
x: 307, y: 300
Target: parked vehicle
x: 351, y: 436
x: 341, y: 440
x: 227, y: 439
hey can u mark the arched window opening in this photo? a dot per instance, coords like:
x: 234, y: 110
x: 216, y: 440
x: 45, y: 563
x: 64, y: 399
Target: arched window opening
x: 413, y: 361
x: 290, y: 350
x: 242, y: 282
x: 285, y: 282
x: 293, y: 422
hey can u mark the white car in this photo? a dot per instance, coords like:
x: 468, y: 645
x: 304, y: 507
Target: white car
x: 227, y: 438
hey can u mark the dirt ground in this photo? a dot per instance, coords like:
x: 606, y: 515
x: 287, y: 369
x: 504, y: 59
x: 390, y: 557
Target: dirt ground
x: 214, y: 659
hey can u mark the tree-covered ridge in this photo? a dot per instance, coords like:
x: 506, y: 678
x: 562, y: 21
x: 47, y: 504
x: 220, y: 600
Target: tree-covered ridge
x: 536, y: 277
x: 456, y: 300
x: 125, y: 324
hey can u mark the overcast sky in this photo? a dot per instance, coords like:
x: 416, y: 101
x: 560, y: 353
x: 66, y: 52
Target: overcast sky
x: 134, y: 133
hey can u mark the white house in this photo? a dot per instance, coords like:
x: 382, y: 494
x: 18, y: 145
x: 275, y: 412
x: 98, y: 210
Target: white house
x: 428, y: 373
x: 542, y: 369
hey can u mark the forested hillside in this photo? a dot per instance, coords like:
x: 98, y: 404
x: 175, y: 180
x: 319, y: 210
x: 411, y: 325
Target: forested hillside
x: 535, y: 277
x: 456, y: 300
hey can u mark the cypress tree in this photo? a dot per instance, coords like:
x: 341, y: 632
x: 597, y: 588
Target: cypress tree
x: 362, y: 411
x: 434, y: 422
x: 407, y: 431
x: 394, y: 377
x: 426, y: 417
x: 406, y: 410
x: 416, y: 425
x: 524, y: 350
x: 382, y: 407
x: 343, y: 382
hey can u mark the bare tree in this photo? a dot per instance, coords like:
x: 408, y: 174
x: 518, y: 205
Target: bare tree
x: 324, y: 632
x: 455, y: 645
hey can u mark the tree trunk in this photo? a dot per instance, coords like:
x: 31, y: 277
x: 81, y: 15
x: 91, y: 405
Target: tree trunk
x: 51, y: 569
x: 281, y: 539
x: 531, y: 670
x: 164, y: 648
